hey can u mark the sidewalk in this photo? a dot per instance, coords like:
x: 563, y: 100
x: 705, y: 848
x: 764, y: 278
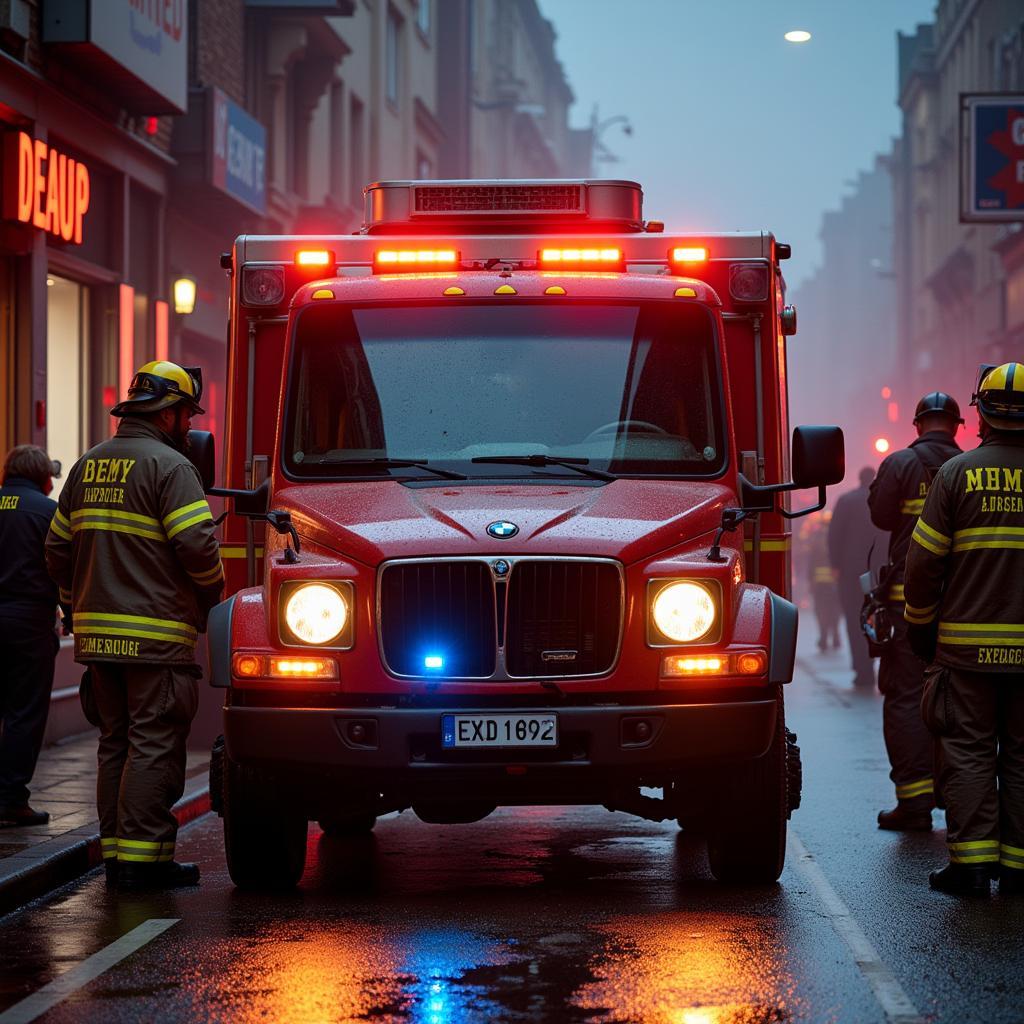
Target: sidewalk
x: 37, y: 859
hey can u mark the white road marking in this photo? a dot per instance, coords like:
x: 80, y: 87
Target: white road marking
x: 66, y: 984
x: 888, y: 991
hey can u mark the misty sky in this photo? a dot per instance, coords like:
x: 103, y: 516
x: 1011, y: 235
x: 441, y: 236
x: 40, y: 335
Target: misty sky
x: 734, y: 128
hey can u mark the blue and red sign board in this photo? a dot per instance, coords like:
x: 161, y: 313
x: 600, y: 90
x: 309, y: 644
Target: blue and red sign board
x: 238, y: 154
x: 992, y: 148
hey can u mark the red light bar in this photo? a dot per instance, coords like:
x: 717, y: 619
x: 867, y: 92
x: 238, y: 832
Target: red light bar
x: 313, y: 258
x: 398, y: 260
x: 581, y: 259
x: 688, y: 254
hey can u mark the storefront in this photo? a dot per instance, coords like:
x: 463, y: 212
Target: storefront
x: 83, y: 283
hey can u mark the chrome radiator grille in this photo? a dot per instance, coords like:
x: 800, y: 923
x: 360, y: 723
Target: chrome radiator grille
x: 542, y: 618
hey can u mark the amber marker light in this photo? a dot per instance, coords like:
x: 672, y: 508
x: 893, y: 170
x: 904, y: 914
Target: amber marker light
x: 677, y: 665
x: 303, y: 668
x: 261, y: 666
x: 247, y: 666
x: 752, y: 663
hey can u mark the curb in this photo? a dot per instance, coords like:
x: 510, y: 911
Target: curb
x: 60, y: 860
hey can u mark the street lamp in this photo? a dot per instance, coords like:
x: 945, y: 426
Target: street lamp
x: 601, y: 151
x: 184, y: 295
x: 798, y: 35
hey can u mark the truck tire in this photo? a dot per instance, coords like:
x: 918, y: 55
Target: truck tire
x: 217, y: 777
x: 747, y: 841
x: 349, y: 827
x: 264, y: 842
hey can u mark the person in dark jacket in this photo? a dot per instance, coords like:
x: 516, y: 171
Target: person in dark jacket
x: 896, y: 500
x: 852, y: 541
x: 28, y: 615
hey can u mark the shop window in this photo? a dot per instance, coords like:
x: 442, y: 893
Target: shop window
x: 67, y: 371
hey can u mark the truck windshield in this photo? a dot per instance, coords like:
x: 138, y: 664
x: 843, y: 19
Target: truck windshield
x: 625, y: 389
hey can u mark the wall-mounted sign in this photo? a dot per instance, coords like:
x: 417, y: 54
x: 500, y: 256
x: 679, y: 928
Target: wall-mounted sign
x: 44, y: 187
x: 238, y: 152
x: 139, y: 48
x: 992, y: 157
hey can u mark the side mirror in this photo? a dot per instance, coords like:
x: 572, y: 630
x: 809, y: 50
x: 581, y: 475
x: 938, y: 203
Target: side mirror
x: 202, y: 455
x: 819, y: 457
x: 255, y: 502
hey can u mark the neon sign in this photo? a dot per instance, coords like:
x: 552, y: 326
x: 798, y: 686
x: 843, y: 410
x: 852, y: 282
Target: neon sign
x: 44, y: 187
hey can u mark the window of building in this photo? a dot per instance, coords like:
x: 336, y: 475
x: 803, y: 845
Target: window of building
x: 423, y: 16
x: 424, y: 167
x: 357, y: 165
x: 392, y: 54
x: 67, y: 371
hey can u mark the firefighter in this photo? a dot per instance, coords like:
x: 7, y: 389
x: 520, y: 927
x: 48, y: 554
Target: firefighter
x: 133, y: 542
x: 822, y: 581
x: 852, y: 541
x: 965, y: 607
x: 28, y: 639
x: 895, y: 499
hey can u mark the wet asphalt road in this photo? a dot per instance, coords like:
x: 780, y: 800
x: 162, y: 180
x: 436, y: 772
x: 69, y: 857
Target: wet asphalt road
x: 557, y: 914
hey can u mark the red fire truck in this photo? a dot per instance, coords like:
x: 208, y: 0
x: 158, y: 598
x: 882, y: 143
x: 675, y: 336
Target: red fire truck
x: 512, y: 467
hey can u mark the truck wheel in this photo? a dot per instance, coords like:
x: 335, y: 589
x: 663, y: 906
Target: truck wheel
x: 264, y: 843
x: 794, y: 773
x: 348, y: 828
x: 747, y: 842
x: 217, y: 776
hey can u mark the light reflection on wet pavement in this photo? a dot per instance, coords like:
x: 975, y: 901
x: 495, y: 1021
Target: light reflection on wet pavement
x: 536, y: 914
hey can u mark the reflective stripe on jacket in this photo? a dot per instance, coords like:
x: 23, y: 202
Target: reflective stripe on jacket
x: 133, y: 543
x: 966, y: 559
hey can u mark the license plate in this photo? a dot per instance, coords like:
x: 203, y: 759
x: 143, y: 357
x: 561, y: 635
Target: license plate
x: 525, y: 730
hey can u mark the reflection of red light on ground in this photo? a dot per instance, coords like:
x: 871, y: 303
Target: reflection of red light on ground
x: 881, y: 445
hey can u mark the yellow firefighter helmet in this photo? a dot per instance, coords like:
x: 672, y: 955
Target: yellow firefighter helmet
x: 160, y: 384
x: 1000, y: 396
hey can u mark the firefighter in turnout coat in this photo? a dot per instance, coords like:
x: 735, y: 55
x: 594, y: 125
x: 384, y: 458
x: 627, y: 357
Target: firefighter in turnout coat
x: 896, y: 498
x: 133, y: 550
x: 965, y: 607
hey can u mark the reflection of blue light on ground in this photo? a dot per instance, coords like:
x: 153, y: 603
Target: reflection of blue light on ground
x: 438, y: 960
x: 433, y: 661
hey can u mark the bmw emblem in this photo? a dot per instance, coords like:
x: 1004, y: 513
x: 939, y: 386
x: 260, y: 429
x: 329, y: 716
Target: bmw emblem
x: 502, y: 530
x: 500, y: 567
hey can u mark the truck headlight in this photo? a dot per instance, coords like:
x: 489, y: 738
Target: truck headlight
x: 315, y: 613
x: 683, y: 611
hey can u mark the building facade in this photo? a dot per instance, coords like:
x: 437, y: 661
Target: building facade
x: 843, y: 359
x: 960, y: 285
x: 140, y: 139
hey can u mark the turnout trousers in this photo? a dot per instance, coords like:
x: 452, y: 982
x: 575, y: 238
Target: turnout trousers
x: 27, y: 655
x: 983, y: 767
x: 144, y: 713
x: 908, y: 743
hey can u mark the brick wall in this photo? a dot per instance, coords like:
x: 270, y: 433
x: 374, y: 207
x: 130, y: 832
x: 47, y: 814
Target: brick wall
x: 218, y: 49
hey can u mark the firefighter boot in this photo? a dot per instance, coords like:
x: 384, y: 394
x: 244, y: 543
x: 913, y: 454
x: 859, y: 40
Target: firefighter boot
x: 907, y: 816
x: 962, y: 879
x: 136, y: 877
x: 112, y: 872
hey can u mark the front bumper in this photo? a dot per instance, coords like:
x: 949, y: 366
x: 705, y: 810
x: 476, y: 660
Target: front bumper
x: 402, y: 745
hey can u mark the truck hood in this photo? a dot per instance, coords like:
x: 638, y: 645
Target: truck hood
x: 626, y: 519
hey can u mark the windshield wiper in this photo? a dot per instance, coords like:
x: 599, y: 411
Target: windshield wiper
x: 540, y: 461
x: 448, y: 474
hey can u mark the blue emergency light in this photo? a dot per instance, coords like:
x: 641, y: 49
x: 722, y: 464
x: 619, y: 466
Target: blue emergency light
x: 433, y: 661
